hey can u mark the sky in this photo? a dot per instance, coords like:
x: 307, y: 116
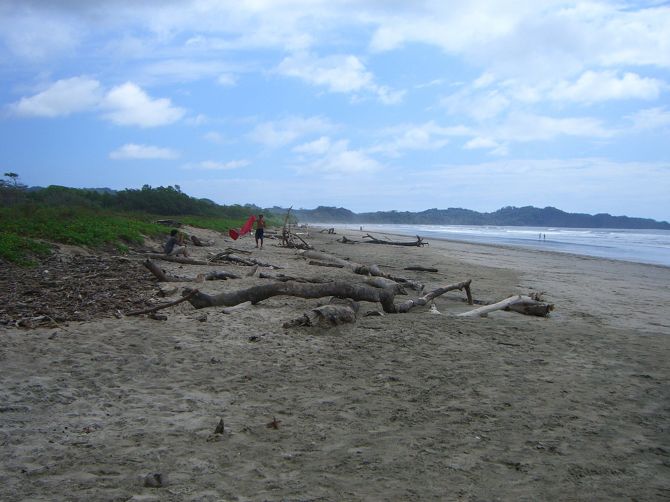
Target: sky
x: 364, y: 104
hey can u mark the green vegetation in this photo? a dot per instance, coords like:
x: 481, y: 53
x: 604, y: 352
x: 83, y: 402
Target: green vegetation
x: 101, y: 217
x: 19, y: 250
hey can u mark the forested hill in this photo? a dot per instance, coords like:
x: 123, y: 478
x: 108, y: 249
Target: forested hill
x: 507, y: 216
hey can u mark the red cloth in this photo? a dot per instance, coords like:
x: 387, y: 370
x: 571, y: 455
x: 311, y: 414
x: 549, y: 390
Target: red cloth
x: 236, y: 234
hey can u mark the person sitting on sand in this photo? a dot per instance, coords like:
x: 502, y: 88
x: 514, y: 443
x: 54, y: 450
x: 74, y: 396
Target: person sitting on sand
x: 175, y: 244
x: 260, y: 230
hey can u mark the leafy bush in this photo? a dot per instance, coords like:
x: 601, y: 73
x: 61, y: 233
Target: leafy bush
x: 79, y: 226
x: 20, y: 250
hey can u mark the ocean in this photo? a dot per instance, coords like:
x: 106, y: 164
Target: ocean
x: 641, y: 246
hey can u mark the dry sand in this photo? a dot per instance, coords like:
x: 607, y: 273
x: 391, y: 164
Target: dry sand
x: 409, y: 406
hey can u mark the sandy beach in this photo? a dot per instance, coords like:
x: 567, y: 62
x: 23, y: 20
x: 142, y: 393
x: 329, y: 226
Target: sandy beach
x: 414, y: 406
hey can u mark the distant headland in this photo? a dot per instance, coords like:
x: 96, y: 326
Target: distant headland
x: 528, y: 216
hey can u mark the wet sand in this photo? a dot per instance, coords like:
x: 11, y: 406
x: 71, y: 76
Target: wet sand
x: 411, y: 406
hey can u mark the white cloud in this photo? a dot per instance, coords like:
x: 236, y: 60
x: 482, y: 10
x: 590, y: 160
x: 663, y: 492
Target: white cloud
x: 537, y: 40
x: 283, y: 132
x: 34, y: 37
x: 650, y: 118
x: 214, y: 137
x: 339, y: 74
x: 426, y: 136
x: 184, y: 70
x: 62, y: 98
x: 215, y: 165
x: 493, y: 146
x: 523, y: 127
x: 480, y: 106
x: 128, y: 104
x: 336, y: 158
x: 595, y: 86
x: 145, y: 152
x: 316, y: 147
x: 227, y: 79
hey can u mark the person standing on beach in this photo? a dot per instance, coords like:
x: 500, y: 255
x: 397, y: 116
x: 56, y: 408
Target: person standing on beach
x: 175, y: 244
x: 260, y: 230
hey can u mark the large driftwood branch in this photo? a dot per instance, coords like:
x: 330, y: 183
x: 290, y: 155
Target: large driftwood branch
x: 344, y: 240
x: 233, y: 258
x: 518, y: 303
x: 185, y: 298
x: 417, y: 243
x: 338, y: 289
x: 324, y: 264
x: 211, y: 276
x: 255, y: 294
x: 287, y: 278
x: 357, y: 268
x: 177, y: 259
x: 419, y: 268
x: 414, y: 302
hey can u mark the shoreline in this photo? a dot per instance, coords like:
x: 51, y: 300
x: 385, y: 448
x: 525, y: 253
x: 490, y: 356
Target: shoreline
x: 402, y: 406
x: 512, y: 247
x: 529, y: 247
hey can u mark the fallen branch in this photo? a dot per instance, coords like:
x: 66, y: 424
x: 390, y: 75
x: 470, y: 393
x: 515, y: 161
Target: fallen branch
x: 211, y: 276
x: 357, y: 268
x: 324, y: 264
x: 198, y: 242
x: 241, y: 306
x: 339, y: 289
x: 344, y: 240
x: 373, y: 240
x: 518, y: 303
x: 421, y: 269
x: 287, y: 278
x: 188, y: 297
x: 177, y: 259
x: 414, y: 302
x: 233, y: 258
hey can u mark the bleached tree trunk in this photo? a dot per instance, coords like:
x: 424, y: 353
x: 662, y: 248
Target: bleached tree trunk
x: 518, y: 303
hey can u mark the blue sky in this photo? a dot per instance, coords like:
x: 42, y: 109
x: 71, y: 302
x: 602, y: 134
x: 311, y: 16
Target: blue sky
x: 366, y: 104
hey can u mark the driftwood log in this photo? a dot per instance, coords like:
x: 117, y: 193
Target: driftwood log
x: 344, y: 240
x: 160, y: 274
x: 324, y: 264
x: 335, y: 313
x: 177, y: 259
x: 150, y: 310
x: 199, y: 242
x: 414, y: 302
x: 518, y: 303
x: 233, y: 258
x: 287, y: 278
x: 421, y: 269
x: 417, y: 243
x: 339, y: 289
x: 357, y: 268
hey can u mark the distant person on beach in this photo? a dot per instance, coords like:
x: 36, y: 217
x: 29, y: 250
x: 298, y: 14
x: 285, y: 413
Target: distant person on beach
x: 175, y: 244
x: 260, y: 230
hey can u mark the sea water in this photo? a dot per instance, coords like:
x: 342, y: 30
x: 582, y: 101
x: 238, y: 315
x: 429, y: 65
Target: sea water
x: 641, y: 246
